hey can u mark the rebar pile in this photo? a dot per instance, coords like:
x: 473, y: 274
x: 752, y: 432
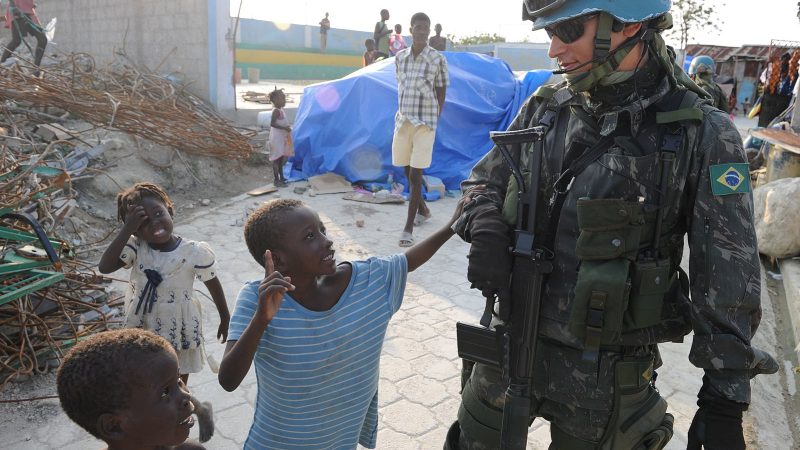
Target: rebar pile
x: 36, y: 330
x: 128, y: 98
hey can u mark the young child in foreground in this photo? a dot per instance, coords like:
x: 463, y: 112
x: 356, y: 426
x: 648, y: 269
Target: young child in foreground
x: 314, y: 329
x: 124, y: 388
x: 163, y: 269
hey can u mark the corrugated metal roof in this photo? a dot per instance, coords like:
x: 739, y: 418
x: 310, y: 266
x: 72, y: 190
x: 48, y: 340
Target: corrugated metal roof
x: 721, y: 53
x: 716, y: 52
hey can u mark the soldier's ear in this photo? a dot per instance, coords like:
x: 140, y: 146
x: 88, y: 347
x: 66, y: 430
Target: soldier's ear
x: 630, y: 30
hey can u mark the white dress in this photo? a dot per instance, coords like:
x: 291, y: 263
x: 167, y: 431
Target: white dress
x: 168, y: 307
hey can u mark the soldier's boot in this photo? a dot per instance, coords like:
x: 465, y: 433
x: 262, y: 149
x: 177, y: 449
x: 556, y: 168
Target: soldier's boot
x: 453, y: 434
x: 205, y: 419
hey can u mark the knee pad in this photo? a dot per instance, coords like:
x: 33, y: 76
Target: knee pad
x: 480, y: 424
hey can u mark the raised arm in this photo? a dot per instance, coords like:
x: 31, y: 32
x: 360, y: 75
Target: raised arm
x: 134, y: 219
x: 239, y: 353
x: 422, y: 252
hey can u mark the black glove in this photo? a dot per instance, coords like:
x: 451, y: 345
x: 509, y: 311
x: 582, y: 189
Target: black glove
x: 717, y: 425
x: 489, y: 258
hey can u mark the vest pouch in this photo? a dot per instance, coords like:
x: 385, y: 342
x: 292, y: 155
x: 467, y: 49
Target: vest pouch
x: 601, y: 296
x: 650, y: 281
x: 610, y: 231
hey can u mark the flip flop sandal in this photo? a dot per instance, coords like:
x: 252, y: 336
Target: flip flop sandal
x: 419, y: 219
x: 406, y: 239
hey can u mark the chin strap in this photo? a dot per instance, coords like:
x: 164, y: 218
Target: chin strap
x: 606, y: 60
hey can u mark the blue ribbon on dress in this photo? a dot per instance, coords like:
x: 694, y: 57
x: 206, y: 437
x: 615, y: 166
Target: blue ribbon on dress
x: 149, y: 295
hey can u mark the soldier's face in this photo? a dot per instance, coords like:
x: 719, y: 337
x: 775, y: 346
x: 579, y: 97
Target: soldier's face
x: 572, y: 55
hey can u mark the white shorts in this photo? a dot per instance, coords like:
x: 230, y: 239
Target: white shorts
x: 412, y: 145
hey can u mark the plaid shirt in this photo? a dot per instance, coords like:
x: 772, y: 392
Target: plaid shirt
x: 417, y: 80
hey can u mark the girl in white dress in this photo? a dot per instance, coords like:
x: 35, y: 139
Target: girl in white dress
x: 163, y: 268
x: 280, y: 137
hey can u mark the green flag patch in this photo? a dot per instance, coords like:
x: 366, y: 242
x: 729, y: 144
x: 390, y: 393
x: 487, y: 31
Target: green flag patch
x: 730, y: 178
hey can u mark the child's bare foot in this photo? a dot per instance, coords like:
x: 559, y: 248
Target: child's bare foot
x: 205, y: 418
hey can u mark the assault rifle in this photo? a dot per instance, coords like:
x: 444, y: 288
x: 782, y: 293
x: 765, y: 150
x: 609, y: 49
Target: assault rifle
x: 511, y: 346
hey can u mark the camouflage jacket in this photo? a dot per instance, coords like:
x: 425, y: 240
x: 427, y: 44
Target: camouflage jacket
x: 724, y: 265
x: 708, y: 85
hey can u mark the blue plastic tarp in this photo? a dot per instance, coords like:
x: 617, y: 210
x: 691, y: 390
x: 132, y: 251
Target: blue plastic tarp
x: 346, y: 125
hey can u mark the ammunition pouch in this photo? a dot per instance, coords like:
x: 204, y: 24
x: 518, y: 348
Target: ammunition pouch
x: 616, y: 291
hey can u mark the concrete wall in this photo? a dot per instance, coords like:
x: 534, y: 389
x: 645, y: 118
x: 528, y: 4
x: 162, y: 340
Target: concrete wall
x: 291, y: 51
x: 187, y: 36
x: 520, y: 56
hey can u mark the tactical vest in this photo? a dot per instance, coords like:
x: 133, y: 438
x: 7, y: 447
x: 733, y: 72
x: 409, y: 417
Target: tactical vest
x: 629, y: 289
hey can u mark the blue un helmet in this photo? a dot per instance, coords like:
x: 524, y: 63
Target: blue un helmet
x: 544, y: 13
x: 702, y: 64
x: 549, y: 14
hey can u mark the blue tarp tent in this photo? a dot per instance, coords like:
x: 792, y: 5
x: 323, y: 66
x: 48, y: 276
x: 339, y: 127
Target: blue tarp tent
x: 346, y: 125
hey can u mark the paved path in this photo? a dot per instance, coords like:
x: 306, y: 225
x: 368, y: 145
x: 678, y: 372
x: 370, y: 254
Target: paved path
x: 419, y: 368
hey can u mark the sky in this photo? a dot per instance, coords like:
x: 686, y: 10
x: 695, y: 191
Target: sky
x: 744, y: 21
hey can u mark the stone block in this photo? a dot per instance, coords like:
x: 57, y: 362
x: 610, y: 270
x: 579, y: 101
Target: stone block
x: 777, y: 217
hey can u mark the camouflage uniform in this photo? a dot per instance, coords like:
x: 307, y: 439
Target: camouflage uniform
x: 705, y: 81
x: 578, y: 396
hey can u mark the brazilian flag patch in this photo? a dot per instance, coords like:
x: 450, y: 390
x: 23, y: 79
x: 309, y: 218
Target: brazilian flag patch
x: 730, y: 178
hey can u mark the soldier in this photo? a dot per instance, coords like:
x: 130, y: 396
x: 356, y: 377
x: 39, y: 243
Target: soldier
x: 634, y: 159
x: 702, y: 71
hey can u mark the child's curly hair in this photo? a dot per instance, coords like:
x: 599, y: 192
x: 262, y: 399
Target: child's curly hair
x: 263, y: 230
x: 274, y: 93
x: 96, y: 374
x: 134, y: 195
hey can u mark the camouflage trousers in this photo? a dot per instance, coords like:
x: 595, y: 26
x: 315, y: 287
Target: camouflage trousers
x: 607, y: 403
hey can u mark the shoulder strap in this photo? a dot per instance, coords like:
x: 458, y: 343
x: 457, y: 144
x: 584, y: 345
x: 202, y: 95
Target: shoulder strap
x: 678, y: 105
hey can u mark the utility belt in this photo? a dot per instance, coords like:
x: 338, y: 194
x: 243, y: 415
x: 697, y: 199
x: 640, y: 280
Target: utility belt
x: 621, y: 291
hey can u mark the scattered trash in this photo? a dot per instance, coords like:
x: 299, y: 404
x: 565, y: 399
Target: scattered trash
x: 262, y: 190
x: 205, y: 202
x: 329, y: 183
x: 360, y: 223
x: 775, y: 276
x: 369, y: 197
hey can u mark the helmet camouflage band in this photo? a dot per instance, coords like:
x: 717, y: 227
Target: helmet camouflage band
x: 702, y: 64
x: 544, y: 13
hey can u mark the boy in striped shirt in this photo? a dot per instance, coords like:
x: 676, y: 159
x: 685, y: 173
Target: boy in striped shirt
x: 314, y: 330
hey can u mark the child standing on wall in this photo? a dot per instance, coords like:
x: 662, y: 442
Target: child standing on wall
x: 163, y: 268
x: 280, y: 137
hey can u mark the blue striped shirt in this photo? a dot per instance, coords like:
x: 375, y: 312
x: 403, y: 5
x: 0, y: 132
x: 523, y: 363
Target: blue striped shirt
x: 317, y: 371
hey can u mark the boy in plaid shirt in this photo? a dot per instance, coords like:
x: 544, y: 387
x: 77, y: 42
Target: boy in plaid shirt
x: 421, y: 85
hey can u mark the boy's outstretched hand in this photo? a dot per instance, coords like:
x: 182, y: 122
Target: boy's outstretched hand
x: 464, y: 201
x: 271, y: 289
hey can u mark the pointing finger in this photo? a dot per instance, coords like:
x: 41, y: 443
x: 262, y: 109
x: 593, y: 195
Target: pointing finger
x: 268, y: 265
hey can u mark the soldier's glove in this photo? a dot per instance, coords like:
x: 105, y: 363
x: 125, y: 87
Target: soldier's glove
x: 489, y: 258
x: 717, y: 425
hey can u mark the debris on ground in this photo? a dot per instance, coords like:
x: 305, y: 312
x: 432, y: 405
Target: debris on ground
x: 125, y: 97
x: 66, y: 137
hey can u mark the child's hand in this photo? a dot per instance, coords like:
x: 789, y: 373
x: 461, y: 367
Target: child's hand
x: 271, y: 289
x: 222, y: 331
x: 134, y: 219
x: 464, y: 201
